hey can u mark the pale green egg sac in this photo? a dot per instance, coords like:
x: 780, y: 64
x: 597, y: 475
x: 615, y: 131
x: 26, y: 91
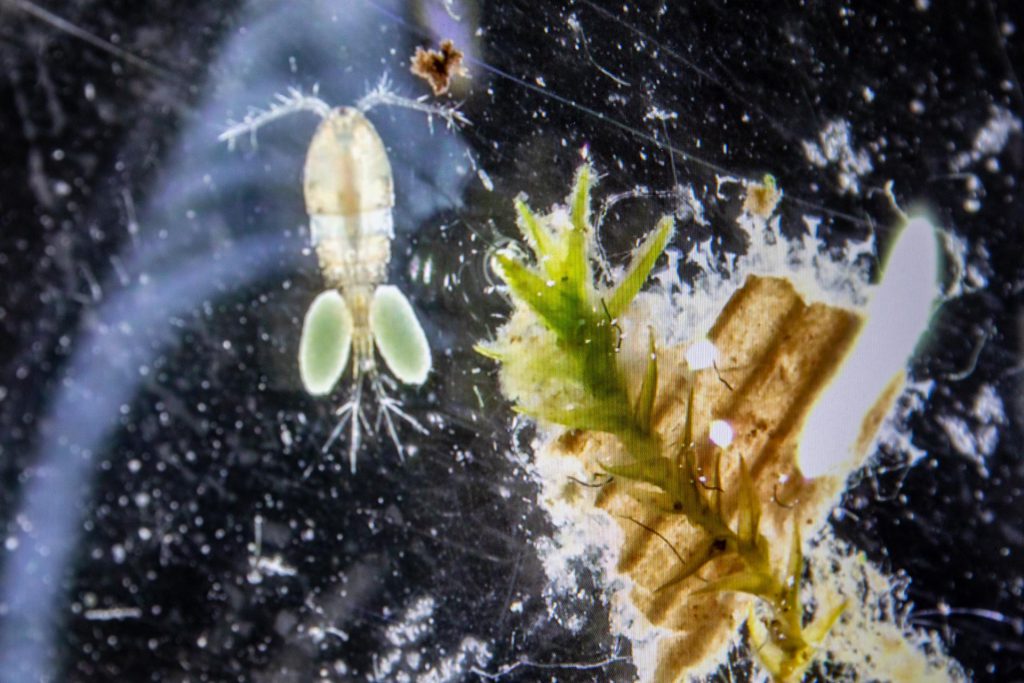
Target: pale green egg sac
x: 399, y: 336
x: 325, y: 344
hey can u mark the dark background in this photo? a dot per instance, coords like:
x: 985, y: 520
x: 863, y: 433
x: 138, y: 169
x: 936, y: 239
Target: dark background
x: 152, y: 284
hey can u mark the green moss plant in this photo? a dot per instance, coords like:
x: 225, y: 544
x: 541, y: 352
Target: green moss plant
x: 561, y: 365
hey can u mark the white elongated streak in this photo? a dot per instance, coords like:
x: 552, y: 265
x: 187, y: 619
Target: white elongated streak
x: 896, y: 318
x: 326, y: 342
x: 399, y: 335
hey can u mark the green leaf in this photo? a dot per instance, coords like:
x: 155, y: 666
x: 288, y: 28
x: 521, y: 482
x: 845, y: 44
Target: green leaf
x: 648, y: 389
x: 687, y: 464
x: 699, y: 559
x: 489, y: 352
x: 580, y: 204
x: 749, y: 509
x: 537, y: 236
x: 754, y: 583
x: 576, y: 269
x: 654, y: 472
x: 547, y: 300
x: 819, y: 628
x: 716, y: 492
x: 640, y: 267
x: 794, y: 572
x: 578, y: 241
x: 602, y: 416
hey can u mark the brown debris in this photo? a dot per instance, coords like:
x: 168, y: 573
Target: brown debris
x: 438, y: 67
x: 762, y: 198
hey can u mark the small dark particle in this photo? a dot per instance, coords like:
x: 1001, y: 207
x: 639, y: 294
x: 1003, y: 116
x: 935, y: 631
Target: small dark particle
x: 438, y: 67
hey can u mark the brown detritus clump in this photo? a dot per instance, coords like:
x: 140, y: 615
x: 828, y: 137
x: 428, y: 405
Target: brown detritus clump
x: 762, y: 198
x: 438, y: 67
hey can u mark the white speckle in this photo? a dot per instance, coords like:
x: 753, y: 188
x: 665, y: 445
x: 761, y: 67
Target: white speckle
x: 485, y: 180
x: 868, y: 94
x: 658, y: 114
x: 834, y: 147
x: 118, y: 554
x: 274, y: 566
x: 113, y: 614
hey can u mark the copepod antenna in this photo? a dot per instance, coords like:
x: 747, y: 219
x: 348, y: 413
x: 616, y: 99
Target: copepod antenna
x: 388, y: 408
x: 283, y: 105
x: 384, y: 95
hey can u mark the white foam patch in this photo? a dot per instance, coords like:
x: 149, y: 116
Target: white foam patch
x: 834, y: 147
x: 586, y: 536
x: 872, y: 639
x: 990, y: 139
x: 976, y: 434
x: 988, y: 143
x: 407, y: 659
x: 969, y: 265
x: 894, y: 434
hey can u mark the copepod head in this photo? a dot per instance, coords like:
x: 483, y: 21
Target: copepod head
x: 399, y: 336
x: 347, y: 169
x: 325, y: 343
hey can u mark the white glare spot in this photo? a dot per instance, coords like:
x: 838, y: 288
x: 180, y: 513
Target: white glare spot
x: 720, y: 433
x: 701, y: 355
x: 898, y: 314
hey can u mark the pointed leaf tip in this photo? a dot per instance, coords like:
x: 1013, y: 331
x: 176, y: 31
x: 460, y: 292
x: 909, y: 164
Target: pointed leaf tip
x: 644, y: 410
x: 640, y: 267
x: 580, y: 198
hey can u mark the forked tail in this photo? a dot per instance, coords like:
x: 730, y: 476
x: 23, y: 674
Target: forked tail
x: 353, y: 415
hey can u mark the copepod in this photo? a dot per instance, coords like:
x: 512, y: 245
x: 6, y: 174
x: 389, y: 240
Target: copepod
x: 349, y: 195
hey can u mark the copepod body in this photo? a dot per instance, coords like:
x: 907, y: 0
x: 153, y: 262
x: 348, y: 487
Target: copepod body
x: 349, y: 195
